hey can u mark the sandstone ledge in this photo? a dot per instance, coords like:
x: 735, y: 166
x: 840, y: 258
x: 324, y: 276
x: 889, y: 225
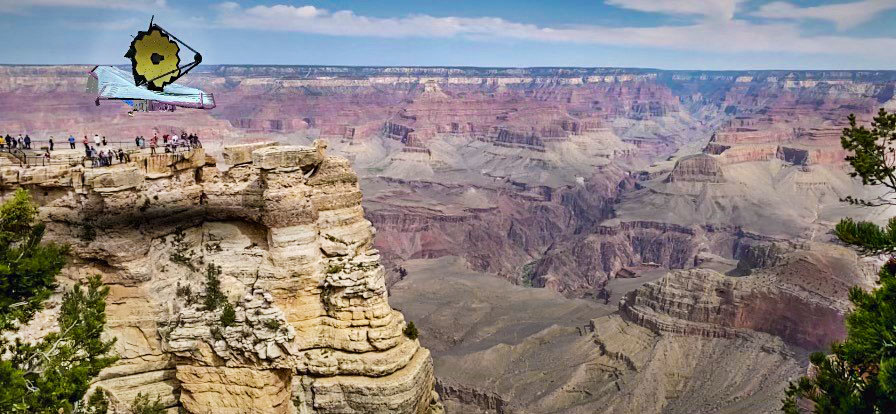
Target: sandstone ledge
x: 284, y: 227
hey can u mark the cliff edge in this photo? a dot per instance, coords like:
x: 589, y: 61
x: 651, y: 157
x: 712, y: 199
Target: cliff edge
x: 301, y: 321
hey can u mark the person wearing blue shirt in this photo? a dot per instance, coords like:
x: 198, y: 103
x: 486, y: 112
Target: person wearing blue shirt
x: 71, y: 141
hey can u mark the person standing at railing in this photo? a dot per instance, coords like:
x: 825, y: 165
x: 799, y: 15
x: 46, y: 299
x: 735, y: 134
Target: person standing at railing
x: 97, y: 140
x: 71, y: 141
x: 47, y: 157
x: 50, y: 143
x: 86, y: 143
x: 93, y: 156
x: 8, y: 142
x: 104, y: 140
x: 27, y: 142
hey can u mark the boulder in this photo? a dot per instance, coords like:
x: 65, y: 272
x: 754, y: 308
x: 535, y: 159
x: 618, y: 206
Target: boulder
x: 242, y: 154
x: 287, y: 157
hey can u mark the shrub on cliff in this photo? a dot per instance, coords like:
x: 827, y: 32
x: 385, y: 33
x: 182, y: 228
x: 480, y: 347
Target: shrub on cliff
x: 228, y: 315
x: 410, y: 331
x: 143, y: 405
x: 214, y: 297
x: 859, y: 374
x: 52, y: 375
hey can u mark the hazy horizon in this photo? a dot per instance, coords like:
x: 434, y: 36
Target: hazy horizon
x: 362, y: 66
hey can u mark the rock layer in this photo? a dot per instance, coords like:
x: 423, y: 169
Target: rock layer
x: 284, y: 232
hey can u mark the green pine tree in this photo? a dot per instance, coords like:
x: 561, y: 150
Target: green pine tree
x: 53, y: 375
x: 27, y: 268
x: 859, y: 374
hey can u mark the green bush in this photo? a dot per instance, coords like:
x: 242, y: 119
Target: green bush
x: 54, y: 374
x: 88, y: 232
x: 410, y: 331
x: 143, y: 405
x: 27, y: 267
x: 182, y: 254
x: 98, y: 403
x: 214, y: 297
x: 272, y: 324
x: 228, y: 315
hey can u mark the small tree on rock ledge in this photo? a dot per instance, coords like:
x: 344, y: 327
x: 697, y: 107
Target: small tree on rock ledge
x: 410, y: 331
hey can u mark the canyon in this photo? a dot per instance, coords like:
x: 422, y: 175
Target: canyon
x: 572, y: 237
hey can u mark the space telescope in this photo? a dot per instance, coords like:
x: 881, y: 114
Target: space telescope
x: 155, y: 65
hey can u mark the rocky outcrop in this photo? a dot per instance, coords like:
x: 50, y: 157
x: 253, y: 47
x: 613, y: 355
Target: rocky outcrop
x: 799, y: 295
x: 696, y: 168
x: 283, y: 231
x: 583, y: 267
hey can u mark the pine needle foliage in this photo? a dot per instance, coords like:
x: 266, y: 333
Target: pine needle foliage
x: 858, y: 375
x: 214, y: 297
x: 873, y: 155
x: 410, y: 331
x: 53, y: 374
x: 144, y: 405
x: 27, y: 267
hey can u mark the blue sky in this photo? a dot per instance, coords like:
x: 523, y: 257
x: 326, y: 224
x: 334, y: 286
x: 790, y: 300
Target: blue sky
x: 667, y: 34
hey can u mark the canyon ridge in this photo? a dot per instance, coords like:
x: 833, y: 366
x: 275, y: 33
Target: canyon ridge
x: 565, y: 239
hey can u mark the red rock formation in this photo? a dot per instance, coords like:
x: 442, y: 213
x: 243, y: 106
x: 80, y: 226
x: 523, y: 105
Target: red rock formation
x: 800, y: 296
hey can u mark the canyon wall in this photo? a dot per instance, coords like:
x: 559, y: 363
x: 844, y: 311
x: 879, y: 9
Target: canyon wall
x: 283, y: 231
x: 589, y: 182
x: 459, y: 160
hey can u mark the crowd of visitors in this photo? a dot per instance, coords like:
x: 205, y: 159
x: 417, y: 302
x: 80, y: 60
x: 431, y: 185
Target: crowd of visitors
x: 107, y: 156
x: 17, y: 142
x: 104, y: 157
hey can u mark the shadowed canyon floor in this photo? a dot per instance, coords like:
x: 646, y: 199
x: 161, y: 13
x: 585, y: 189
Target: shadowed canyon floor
x: 575, y: 239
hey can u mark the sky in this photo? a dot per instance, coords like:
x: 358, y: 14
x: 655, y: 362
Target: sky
x: 663, y: 34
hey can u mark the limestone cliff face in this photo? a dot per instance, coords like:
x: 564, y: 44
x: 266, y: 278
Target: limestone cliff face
x: 284, y: 230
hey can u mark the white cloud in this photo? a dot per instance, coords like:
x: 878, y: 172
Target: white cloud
x: 719, y: 9
x: 141, y: 5
x: 717, y: 33
x: 843, y: 15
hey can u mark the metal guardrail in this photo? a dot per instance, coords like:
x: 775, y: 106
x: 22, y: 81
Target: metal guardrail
x: 42, y: 161
x: 19, y: 155
x: 24, y: 159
